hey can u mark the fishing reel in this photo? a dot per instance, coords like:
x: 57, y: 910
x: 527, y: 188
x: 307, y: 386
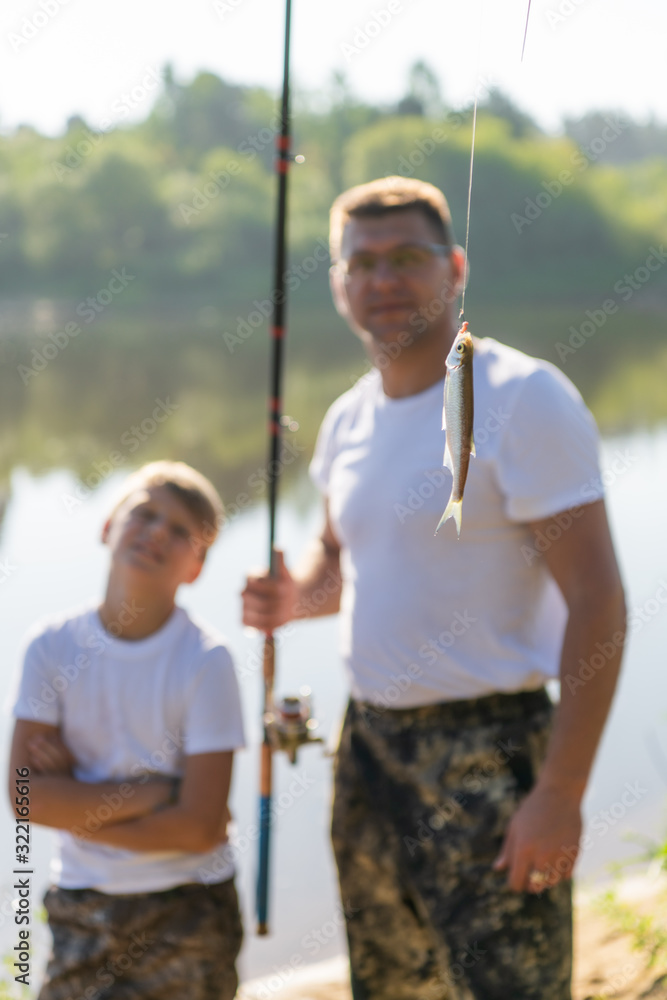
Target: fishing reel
x: 289, y: 723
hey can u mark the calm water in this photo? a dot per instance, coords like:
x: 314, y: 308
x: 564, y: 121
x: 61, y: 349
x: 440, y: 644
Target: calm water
x: 50, y: 559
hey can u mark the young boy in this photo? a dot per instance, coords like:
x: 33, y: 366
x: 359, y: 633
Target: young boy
x: 127, y: 718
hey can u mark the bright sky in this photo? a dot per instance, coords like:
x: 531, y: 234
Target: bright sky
x: 60, y: 57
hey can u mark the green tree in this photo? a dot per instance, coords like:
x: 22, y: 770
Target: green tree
x: 423, y: 97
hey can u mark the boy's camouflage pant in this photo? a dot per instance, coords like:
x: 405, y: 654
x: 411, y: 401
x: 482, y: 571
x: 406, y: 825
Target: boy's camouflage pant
x: 149, y: 946
x: 422, y: 800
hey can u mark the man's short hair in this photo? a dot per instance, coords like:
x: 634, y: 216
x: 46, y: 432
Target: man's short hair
x: 385, y: 195
x: 197, y: 494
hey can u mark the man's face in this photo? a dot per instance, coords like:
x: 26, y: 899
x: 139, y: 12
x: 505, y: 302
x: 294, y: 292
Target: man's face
x: 154, y: 536
x: 383, y: 298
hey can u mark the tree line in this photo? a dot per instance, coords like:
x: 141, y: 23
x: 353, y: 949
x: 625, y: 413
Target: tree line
x: 184, y: 200
x: 135, y: 262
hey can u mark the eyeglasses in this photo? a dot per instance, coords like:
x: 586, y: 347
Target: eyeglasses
x: 408, y: 258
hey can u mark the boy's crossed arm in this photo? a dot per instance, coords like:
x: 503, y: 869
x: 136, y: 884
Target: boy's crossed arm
x: 57, y: 799
x: 144, y: 817
x: 196, y: 823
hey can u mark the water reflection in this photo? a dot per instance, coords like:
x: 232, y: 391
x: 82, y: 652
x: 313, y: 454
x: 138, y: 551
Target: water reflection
x: 116, y: 402
x: 122, y: 394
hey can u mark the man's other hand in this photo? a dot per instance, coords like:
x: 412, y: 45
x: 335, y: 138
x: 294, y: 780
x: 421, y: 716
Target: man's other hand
x: 542, y: 841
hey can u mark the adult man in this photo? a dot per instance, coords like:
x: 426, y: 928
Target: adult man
x: 457, y: 809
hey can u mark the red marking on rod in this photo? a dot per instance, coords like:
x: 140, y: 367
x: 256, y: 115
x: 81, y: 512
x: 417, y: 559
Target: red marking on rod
x: 283, y: 143
x: 274, y: 427
x: 282, y: 166
x: 278, y: 332
x: 275, y: 404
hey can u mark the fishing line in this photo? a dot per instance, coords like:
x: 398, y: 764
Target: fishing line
x: 472, y: 143
x: 525, y: 33
x: 472, y: 160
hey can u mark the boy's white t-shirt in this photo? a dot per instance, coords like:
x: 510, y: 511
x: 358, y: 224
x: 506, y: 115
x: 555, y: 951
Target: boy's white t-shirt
x: 427, y: 619
x: 125, y: 708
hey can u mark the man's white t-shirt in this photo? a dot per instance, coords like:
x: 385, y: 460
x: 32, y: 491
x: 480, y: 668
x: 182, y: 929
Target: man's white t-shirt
x: 427, y: 619
x: 125, y: 708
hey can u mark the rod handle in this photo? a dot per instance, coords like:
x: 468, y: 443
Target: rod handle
x: 263, y: 873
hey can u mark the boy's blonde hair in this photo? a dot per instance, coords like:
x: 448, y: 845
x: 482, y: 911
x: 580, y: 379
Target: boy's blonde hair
x: 194, y: 490
x: 388, y: 194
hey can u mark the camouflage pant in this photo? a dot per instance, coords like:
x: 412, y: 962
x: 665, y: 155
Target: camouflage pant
x: 149, y: 946
x: 422, y: 799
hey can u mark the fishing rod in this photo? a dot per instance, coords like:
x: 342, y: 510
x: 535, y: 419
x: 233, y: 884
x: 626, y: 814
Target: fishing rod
x: 289, y: 724
x: 277, y: 334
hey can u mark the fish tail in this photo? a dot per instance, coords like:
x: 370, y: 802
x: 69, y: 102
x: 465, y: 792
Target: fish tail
x: 453, y: 509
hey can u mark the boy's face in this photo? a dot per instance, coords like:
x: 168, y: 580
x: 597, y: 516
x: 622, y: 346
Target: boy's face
x: 154, y: 534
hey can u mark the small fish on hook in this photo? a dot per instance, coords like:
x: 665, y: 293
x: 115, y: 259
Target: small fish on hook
x: 457, y: 420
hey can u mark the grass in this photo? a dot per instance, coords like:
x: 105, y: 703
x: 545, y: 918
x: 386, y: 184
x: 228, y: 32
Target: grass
x: 647, y: 930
